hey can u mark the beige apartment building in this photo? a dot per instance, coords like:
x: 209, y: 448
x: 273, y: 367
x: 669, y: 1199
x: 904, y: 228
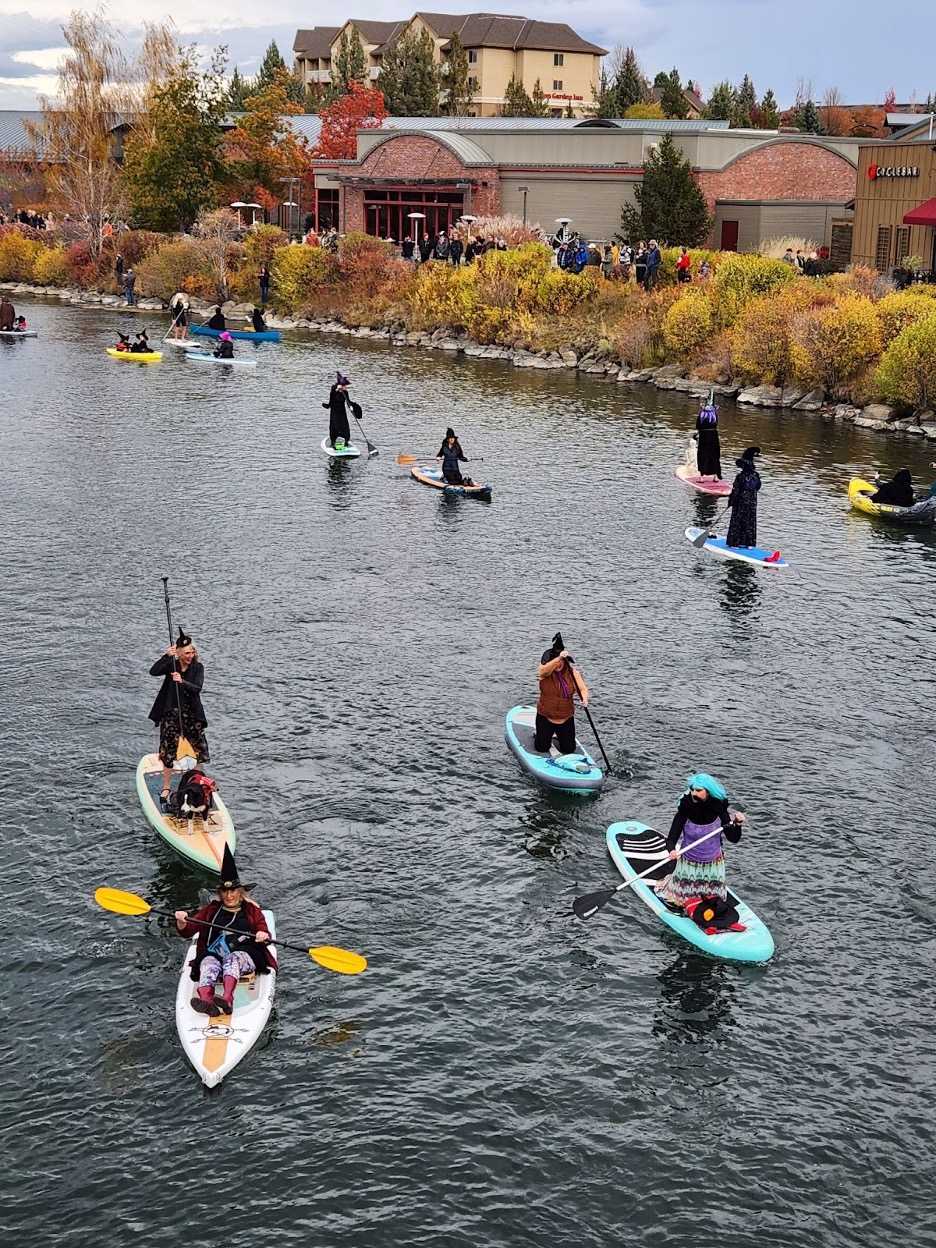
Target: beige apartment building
x: 499, y: 47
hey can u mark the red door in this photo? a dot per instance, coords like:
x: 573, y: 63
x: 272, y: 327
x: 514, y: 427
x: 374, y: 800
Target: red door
x: 729, y: 236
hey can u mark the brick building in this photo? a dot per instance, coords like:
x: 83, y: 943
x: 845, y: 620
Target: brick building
x: 759, y: 184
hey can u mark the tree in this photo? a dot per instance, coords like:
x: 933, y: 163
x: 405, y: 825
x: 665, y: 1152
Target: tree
x: 456, y: 93
x: 238, y: 90
x: 539, y: 105
x: 806, y: 118
x: 263, y: 148
x: 721, y: 103
x: 349, y: 61
x: 890, y: 101
x: 171, y: 170
x: 644, y: 112
x: 216, y: 231
x: 835, y: 118
x: 270, y: 68
x: 362, y: 108
x: 670, y: 205
x: 745, y: 105
x: 517, y: 102
x: 672, y: 98
x: 409, y: 78
x: 768, y: 112
x: 628, y: 84
x: 76, y: 131
x: 569, y: 111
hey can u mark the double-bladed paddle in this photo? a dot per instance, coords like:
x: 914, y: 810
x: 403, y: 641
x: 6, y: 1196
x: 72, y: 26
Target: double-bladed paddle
x: 413, y: 459
x: 584, y: 907
x: 342, y: 961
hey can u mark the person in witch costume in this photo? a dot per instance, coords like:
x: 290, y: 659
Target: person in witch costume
x: 339, y: 401
x: 708, y: 449
x: 742, y: 530
x: 700, y: 872
x: 183, y: 677
x: 237, y: 945
x: 559, y: 682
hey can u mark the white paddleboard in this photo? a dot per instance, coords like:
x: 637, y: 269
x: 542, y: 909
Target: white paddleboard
x: 202, y: 357
x: 350, y: 451
x: 756, y: 555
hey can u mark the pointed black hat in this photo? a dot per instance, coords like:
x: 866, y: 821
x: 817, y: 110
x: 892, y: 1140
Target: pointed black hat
x: 183, y: 639
x: 229, y: 876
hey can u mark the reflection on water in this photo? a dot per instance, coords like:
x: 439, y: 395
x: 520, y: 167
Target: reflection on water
x: 740, y: 591
x: 697, y: 996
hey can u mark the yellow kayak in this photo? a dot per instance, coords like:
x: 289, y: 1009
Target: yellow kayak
x: 859, y: 495
x: 138, y: 357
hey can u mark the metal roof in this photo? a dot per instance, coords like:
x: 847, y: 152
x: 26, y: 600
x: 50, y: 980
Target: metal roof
x: 306, y: 125
x: 448, y: 124
x: 467, y: 150
x: 15, y: 140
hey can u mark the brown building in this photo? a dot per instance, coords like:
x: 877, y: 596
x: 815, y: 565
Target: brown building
x: 895, y: 203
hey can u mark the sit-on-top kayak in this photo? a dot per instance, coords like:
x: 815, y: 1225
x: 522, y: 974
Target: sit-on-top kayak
x: 135, y: 357
x: 576, y: 773
x: 747, y: 554
x: 348, y: 451
x: 720, y: 489
x: 199, y: 841
x: 19, y: 333
x: 859, y: 495
x: 634, y: 847
x: 203, y: 357
x: 248, y: 335
x: 214, y: 1045
x: 433, y: 476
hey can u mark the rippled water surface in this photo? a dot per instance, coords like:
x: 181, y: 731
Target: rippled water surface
x: 503, y: 1074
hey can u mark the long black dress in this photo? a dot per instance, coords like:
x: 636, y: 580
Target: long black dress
x: 708, y: 455
x: 338, y: 425
x: 742, y: 531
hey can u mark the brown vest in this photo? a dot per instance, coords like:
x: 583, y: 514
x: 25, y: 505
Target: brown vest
x: 553, y: 703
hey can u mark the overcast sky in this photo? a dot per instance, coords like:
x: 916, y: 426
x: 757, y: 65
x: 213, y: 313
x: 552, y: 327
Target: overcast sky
x: 856, y: 45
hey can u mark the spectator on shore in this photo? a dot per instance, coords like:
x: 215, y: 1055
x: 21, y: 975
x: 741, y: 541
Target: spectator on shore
x: 441, y: 249
x: 500, y: 244
x: 811, y: 267
x: 118, y: 268
x: 607, y: 261
x: 456, y: 247
x: 684, y: 266
x: 471, y: 250
x: 408, y: 248
x: 129, y: 285
x: 425, y: 248
x: 788, y: 257
x: 800, y: 261
x: 705, y: 270
x: 626, y: 260
x: 640, y: 263
x: 263, y: 279
x: 654, y: 260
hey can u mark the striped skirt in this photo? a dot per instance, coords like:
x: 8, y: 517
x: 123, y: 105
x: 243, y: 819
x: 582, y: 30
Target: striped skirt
x: 696, y: 879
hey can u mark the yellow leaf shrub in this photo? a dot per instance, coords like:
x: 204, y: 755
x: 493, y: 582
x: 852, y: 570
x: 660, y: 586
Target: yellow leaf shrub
x: 834, y: 344
x: 300, y: 275
x: 907, y: 371
x: 688, y: 324
x: 180, y: 264
x: 560, y: 293
x: 761, y: 341
x: 51, y: 267
x: 741, y: 277
x: 902, y: 308
x: 443, y: 296
x: 17, y: 257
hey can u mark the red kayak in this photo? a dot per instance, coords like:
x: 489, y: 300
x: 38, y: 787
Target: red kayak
x: 721, y: 489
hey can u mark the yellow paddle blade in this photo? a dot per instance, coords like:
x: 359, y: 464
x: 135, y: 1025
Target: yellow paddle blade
x: 184, y: 749
x: 341, y: 960
x: 119, y: 902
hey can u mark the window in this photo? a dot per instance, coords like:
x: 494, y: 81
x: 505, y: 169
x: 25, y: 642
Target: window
x: 472, y: 83
x: 903, y: 244
x: 472, y: 56
x: 882, y: 251
x: 557, y: 84
x: 558, y: 58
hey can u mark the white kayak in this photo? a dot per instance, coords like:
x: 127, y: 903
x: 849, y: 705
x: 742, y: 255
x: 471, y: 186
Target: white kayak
x: 204, y: 357
x: 349, y: 451
x: 199, y: 841
x: 19, y: 333
x: 215, y: 1045
x: 757, y: 555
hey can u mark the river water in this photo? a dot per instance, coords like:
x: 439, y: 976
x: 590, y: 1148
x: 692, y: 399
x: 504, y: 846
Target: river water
x: 503, y: 1074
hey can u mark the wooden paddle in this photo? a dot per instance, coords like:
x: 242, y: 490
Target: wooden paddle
x: 342, y: 961
x: 584, y: 907
x: 413, y: 459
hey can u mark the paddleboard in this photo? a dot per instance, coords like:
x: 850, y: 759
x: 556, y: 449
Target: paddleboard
x: 720, y: 489
x: 433, y: 476
x: 633, y: 846
x: 214, y: 1046
x: 247, y: 335
x: 201, y: 357
x: 201, y: 842
x: 575, y: 773
x: 19, y: 333
x: 183, y: 344
x: 135, y: 357
x: 350, y: 451
x: 756, y: 555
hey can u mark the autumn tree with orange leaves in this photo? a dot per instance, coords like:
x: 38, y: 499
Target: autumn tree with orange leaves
x: 263, y: 150
x: 362, y: 108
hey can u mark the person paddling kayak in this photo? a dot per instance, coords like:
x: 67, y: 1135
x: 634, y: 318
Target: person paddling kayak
x: 708, y: 449
x: 451, y: 453
x: 559, y: 682
x: 225, y: 348
x: 217, y: 320
x: 183, y: 677
x: 241, y: 948
x: 742, y: 530
x: 700, y: 872
x: 339, y: 401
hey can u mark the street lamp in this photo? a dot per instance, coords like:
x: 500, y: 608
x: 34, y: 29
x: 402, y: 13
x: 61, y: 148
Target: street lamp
x: 416, y: 217
x: 562, y: 222
x: 238, y: 205
x: 524, y: 189
x: 254, y: 209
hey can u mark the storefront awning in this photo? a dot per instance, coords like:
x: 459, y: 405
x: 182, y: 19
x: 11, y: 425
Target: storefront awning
x: 924, y: 215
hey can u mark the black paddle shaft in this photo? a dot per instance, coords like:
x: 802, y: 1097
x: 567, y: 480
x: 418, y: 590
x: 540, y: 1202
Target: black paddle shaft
x: 175, y: 661
x: 220, y: 927
x: 591, y: 723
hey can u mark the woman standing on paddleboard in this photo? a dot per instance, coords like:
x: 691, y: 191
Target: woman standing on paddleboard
x: 339, y: 429
x: 555, y: 709
x: 708, y: 451
x: 183, y: 677
x: 238, y: 948
x: 742, y: 530
x: 700, y: 872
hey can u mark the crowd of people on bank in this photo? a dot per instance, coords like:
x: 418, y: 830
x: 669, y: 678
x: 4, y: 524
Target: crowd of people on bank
x: 25, y: 216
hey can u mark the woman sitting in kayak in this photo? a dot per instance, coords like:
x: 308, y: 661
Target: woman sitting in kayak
x: 183, y: 678
x: 217, y: 320
x: 225, y: 347
x: 141, y: 343
x: 898, y: 492
x: 700, y: 872
x: 122, y: 343
x: 742, y: 530
x: 708, y: 449
x: 257, y: 323
x: 559, y: 682
x: 450, y: 452
x: 339, y: 430
x: 240, y: 948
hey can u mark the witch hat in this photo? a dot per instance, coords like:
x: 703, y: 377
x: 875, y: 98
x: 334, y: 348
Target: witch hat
x: 183, y: 638
x: 229, y: 876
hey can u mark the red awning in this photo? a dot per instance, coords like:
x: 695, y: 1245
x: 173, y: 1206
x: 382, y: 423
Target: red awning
x: 924, y: 215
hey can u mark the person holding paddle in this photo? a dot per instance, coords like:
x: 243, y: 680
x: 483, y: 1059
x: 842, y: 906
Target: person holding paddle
x: 701, y: 816
x: 742, y: 528
x: 237, y: 944
x: 178, y: 707
x: 559, y: 682
x: 339, y: 428
x: 450, y: 452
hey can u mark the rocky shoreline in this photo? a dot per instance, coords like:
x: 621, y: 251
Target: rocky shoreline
x: 875, y: 416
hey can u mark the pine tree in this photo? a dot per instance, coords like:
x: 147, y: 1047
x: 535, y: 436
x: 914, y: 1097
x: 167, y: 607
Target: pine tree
x: 745, y: 104
x: 721, y: 103
x: 768, y: 113
x: 628, y: 85
x: 238, y: 91
x: 349, y: 62
x: 806, y: 118
x: 539, y: 105
x: 456, y: 93
x: 604, y: 101
x: 670, y: 205
x: 672, y: 100
x: 409, y: 78
x: 271, y: 65
x: 517, y: 102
